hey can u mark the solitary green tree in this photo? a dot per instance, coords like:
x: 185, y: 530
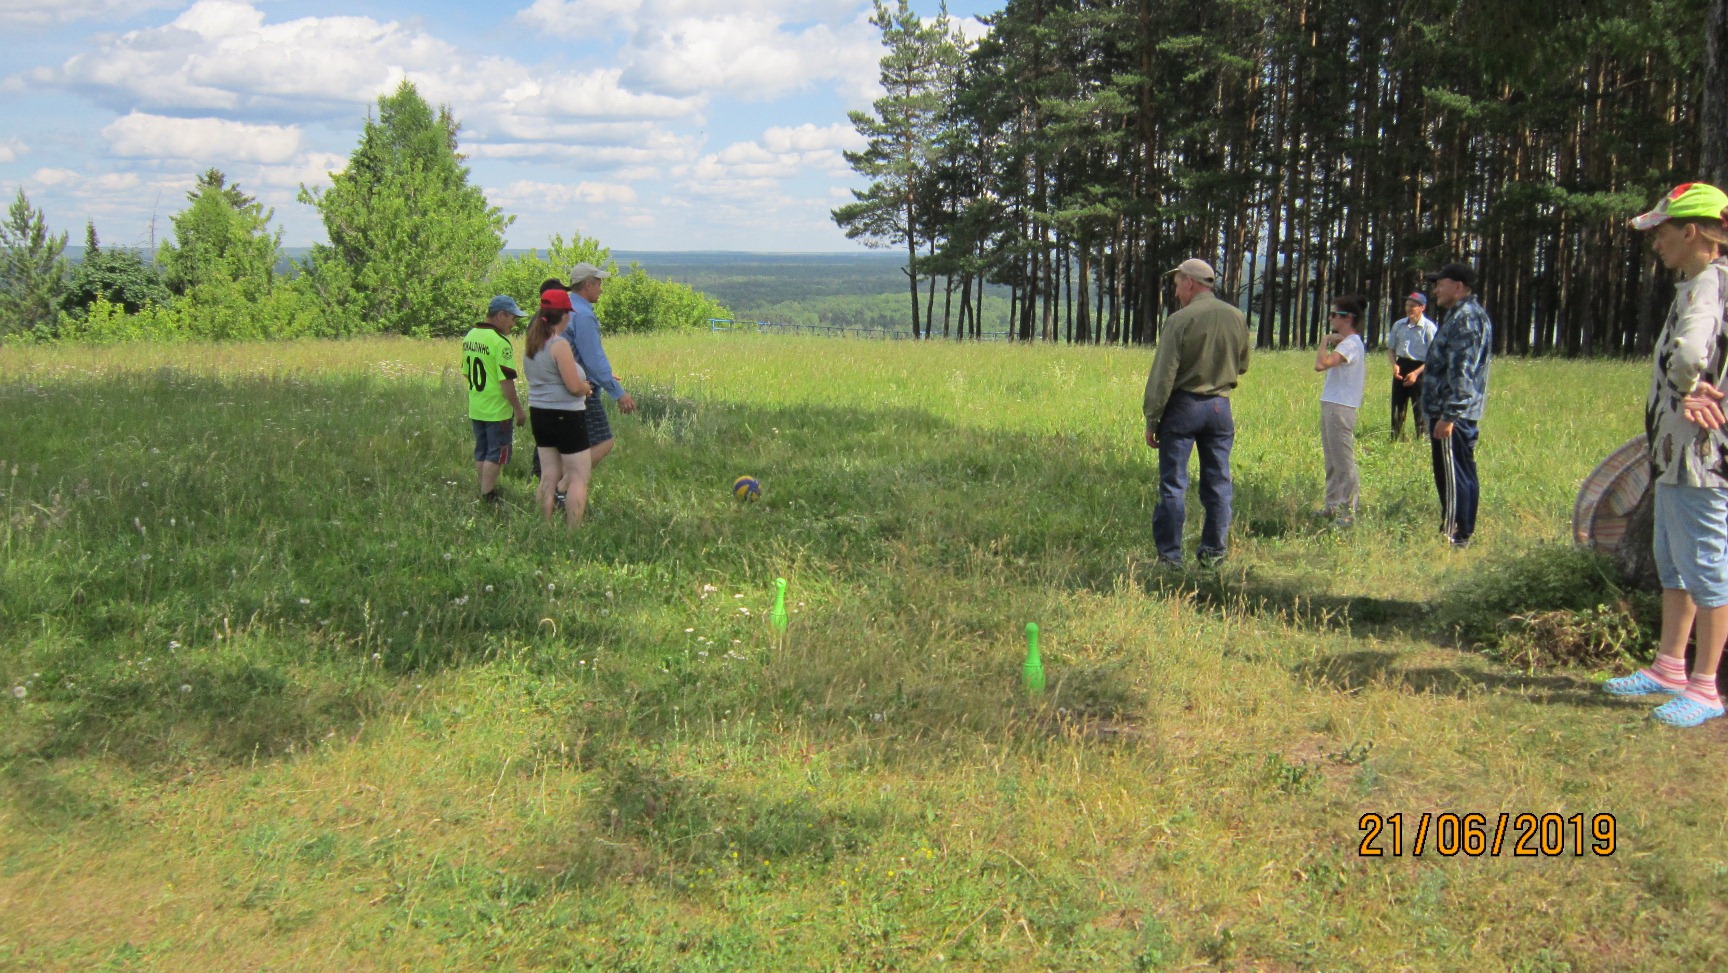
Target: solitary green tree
x: 410, y: 240
x: 32, y: 269
x: 223, y: 248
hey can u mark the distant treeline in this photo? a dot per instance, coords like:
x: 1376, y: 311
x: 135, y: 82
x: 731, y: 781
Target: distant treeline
x: 1307, y: 148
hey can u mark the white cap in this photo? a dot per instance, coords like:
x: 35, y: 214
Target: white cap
x: 583, y: 272
x: 1196, y: 269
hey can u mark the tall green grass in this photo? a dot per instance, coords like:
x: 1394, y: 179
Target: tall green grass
x: 292, y: 699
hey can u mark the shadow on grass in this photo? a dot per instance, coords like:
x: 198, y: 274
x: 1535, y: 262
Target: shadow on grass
x: 1353, y: 671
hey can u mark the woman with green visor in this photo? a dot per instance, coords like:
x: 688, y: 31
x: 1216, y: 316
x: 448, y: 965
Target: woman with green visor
x: 1688, y: 456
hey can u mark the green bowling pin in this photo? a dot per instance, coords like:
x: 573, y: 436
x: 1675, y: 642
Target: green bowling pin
x: 777, y: 617
x: 1032, y: 673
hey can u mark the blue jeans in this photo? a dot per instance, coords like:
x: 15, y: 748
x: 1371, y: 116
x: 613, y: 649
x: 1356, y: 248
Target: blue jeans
x: 1193, y: 420
x: 1455, y: 479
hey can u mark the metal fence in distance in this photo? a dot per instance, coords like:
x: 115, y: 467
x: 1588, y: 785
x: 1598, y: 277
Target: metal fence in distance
x: 830, y: 330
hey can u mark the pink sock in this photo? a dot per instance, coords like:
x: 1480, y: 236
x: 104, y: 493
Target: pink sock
x: 1669, y: 672
x: 1702, y: 689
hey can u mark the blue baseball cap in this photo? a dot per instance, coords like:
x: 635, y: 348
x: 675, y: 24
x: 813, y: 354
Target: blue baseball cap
x: 504, y: 302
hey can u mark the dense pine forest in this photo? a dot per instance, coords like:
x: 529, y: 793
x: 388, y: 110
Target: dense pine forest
x: 1306, y: 148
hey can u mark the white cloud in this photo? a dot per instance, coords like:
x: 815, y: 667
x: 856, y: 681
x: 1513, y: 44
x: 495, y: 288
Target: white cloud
x: 529, y: 196
x: 578, y: 18
x: 783, y: 153
x: 139, y: 135
x: 11, y: 149
x: 759, y: 50
x: 47, y: 13
x: 750, y: 55
x: 808, y: 137
x: 55, y: 178
x: 644, y: 149
x: 222, y: 55
x: 311, y: 169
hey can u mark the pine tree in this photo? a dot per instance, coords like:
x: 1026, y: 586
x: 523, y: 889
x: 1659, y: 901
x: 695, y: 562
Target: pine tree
x: 918, y: 72
x: 410, y: 240
x: 32, y: 270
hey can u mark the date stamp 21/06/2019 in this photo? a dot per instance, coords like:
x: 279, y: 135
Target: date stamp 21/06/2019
x: 1516, y: 834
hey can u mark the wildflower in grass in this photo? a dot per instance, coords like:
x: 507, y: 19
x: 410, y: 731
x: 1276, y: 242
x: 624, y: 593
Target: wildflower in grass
x: 688, y: 631
x: 488, y: 589
x: 19, y: 692
x: 184, y: 689
x: 308, y: 601
x: 376, y: 656
x: 173, y: 645
x: 447, y: 555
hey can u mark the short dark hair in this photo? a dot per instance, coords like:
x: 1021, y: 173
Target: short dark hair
x: 1354, y: 305
x: 552, y: 284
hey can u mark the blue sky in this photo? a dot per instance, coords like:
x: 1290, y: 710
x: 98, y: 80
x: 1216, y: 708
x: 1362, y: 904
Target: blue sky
x: 649, y: 124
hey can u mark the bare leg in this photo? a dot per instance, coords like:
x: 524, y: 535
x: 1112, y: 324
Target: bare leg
x: 1677, y: 615
x: 548, y: 481
x: 598, y: 453
x: 1712, y: 626
x: 576, y: 470
x: 488, y: 476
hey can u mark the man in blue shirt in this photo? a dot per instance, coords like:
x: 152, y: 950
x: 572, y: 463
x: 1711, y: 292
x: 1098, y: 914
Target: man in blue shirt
x: 1407, y: 348
x: 583, y: 333
x: 1454, y: 389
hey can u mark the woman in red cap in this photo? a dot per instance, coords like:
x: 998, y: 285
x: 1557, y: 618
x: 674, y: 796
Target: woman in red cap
x: 1688, y: 456
x: 557, y: 394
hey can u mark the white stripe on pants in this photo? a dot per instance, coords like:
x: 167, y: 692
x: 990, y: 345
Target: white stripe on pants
x: 1338, y: 443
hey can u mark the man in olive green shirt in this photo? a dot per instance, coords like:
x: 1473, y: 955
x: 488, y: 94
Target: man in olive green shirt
x: 1201, y: 353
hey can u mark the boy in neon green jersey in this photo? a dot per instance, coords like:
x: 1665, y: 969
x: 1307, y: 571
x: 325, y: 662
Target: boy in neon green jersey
x: 489, y: 365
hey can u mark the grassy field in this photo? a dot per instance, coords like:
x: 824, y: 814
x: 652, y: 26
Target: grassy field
x: 287, y: 698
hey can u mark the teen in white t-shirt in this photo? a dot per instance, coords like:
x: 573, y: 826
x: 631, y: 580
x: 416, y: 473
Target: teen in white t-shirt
x: 1343, y: 358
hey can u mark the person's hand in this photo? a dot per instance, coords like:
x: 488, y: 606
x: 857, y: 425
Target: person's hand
x: 1443, y: 429
x: 1410, y: 380
x: 1398, y: 375
x: 1151, y: 437
x: 1704, y: 406
x: 521, y: 418
x: 1331, y: 338
x: 626, y: 402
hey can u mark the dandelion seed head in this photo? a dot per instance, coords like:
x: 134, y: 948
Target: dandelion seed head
x: 19, y: 692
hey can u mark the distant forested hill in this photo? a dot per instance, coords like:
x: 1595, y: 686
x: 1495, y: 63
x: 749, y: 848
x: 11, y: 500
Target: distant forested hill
x: 854, y: 290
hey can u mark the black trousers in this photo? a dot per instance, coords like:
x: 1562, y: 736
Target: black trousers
x: 1402, y: 395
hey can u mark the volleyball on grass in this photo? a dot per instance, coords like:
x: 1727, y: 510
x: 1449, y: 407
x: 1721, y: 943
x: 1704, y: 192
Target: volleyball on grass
x: 746, y: 488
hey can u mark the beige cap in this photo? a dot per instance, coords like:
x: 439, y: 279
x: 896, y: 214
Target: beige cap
x: 584, y: 272
x: 1197, y: 269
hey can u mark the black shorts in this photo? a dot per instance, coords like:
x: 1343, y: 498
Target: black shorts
x: 565, y: 430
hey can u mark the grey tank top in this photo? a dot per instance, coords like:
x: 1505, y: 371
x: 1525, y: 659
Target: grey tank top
x: 545, y: 386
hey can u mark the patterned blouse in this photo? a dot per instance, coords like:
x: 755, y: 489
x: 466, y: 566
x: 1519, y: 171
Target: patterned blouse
x: 1691, y: 349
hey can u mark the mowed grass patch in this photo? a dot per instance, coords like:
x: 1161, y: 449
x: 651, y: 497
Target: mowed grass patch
x: 293, y: 700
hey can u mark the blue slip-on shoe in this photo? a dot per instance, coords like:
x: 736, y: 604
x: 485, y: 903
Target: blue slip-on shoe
x: 1681, y: 711
x: 1639, y: 683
